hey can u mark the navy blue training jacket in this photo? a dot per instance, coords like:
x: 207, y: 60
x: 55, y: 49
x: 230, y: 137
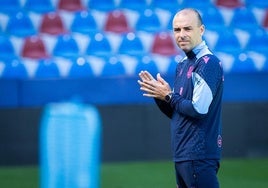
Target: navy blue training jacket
x: 195, y: 106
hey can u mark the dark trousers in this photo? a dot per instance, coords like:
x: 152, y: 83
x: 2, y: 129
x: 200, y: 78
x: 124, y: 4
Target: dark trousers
x: 197, y: 174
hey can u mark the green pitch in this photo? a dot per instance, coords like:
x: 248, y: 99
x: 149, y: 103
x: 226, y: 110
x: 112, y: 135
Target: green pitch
x: 233, y: 173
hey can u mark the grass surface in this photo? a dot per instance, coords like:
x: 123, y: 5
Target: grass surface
x: 233, y: 174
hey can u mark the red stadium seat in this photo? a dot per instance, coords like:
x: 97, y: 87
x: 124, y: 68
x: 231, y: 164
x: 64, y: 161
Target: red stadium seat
x: 265, y: 20
x: 163, y: 44
x: 34, y: 48
x: 52, y: 24
x: 117, y: 22
x: 70, y: 5
x: 229, y: 3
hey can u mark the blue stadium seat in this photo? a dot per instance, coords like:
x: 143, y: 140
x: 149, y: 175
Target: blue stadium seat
x: 20, y: 25
x: 173, y: 62
x: 197, y: 4
x: 13, y: 68
x: 265, y: 66
x: 136, y: 5
x: 227, y: 42
x: 148, y: 21
x: 102, y: 5
x: 131, y: 44
x: 99, y: 45
x: 47, y: 69
x: 256, y: 3
x: 84, y: 23
x: 10, y: 6
x: 243, y: 64
x: 66, y: 46
x: 80, y: 68
x: 39, y: 6
x: 146, y: 62
x: 170, y: 5
x: 113, y: 67
x: 6, y: 47
x: 243, y: 18
x: 213, y: 19
x: 258, y: 41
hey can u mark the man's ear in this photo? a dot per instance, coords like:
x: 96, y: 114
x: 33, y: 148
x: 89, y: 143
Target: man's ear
x: 202, y: 29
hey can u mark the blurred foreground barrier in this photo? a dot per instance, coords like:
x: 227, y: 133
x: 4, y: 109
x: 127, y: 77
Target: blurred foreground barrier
x: 70, y: 146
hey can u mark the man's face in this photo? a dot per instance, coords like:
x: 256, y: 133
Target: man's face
x: 187, y: 30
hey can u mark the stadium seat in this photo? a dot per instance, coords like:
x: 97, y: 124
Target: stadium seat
x: 163, y: 44
x: 80, y: 68
x: 243, y: 18
x: 39, y: 6
x: 173, y: 62
x: 66, y: 46
x: 6, y: 48
x: 256, y: 3
x: 227, y: 42
x: 113, y: 67
x: 13, y: 68
x: 70, y: 5
x: 148, y: 21
x: 170, y: 5
x: 265, y: 20
x: 260, y: 60
x: 99, y: 45
x: 258, y: 41
x: 47, y: 69
x: 197, y: 4
x: 136, y: 5
x: 20, y: 25
x: 84, y: 23
x: 10, y: 7
x: 52, y: 24
x: 34, y: 48
x: 131, y: 44
x: 243, y: 64
x: 229, y: 3
x: 146, y: 62
x: 117, y: 22
x: 213, y: 19
x: 102, y: 5
x: 265, y: 66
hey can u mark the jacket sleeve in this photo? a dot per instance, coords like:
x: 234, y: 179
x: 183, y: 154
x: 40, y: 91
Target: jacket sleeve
x: 164, y: 107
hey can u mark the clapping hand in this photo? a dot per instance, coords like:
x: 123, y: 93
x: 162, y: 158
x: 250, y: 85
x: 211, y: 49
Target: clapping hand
x: 156, y: 88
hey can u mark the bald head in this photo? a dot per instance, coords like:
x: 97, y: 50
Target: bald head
x: 188, y: 29
x: 190, y: 12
